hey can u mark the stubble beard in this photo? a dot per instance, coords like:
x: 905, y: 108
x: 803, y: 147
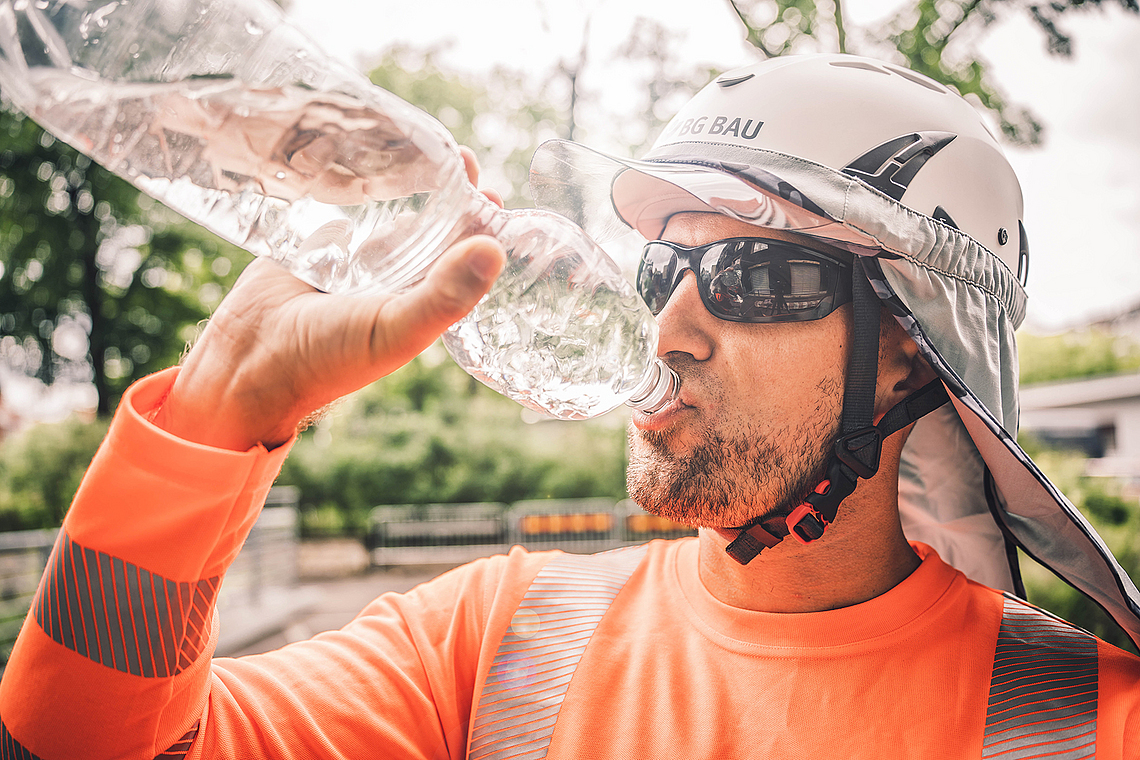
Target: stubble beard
x: 731, y: 477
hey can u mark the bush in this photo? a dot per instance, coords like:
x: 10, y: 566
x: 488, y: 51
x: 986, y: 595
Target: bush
x: 1107, y: 508
x: 323, y: 521
x: 1075, y: 354
x: 40, y: 471
x: 430, y: 434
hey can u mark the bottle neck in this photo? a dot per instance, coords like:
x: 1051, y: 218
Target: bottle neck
x: 657, y: 390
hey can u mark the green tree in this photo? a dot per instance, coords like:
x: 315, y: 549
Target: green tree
x: 929, y: 36
x: 97, y: 283
x: 502, y: 116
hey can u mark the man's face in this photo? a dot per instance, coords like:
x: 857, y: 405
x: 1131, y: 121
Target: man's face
x: 759, y: 406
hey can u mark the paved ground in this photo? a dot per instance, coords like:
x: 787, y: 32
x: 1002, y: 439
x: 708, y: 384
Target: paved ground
x: 300, y: 613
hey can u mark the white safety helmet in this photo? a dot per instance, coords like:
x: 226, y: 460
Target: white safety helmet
x: 898, y: 169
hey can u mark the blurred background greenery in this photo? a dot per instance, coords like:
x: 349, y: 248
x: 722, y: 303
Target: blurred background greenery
x: 100, y: 286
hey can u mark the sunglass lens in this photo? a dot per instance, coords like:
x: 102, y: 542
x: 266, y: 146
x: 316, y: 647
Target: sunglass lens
x: 655, y: 277
x: 754, y: 281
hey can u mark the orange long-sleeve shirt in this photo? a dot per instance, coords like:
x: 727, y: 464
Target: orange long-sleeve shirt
x: 115, y: 658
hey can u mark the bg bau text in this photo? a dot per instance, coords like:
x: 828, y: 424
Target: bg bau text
x: 720, y: 125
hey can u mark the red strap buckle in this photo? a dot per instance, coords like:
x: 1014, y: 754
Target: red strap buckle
x: 805, y: 523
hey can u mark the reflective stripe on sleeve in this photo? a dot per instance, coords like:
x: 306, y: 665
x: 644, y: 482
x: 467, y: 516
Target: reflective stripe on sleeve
x: 10, y: 749
x: 121, y: 615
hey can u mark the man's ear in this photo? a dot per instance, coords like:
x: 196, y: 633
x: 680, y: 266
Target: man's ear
x: 902, y: 369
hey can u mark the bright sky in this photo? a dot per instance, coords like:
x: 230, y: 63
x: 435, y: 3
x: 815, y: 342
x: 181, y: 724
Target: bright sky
x: 1082, y: 189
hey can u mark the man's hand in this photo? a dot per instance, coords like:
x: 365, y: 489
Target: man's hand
x: 277, y: 350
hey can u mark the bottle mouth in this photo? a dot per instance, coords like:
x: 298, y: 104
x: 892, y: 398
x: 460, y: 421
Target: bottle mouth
x: 661, y: 386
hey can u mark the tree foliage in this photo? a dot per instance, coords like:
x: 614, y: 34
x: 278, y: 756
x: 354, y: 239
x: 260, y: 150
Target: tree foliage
x: 97, y: 283
x: 40, y: 471
x: 132, y: 287
x: 930, y: 36
x: 1075, y: 354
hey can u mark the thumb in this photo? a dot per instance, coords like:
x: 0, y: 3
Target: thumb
x: 455, y: 283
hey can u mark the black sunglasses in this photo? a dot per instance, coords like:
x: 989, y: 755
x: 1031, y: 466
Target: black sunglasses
x: 748, y: 279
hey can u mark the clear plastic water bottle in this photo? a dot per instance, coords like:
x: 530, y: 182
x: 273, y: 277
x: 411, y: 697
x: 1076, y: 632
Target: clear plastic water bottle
x: 228, y: 114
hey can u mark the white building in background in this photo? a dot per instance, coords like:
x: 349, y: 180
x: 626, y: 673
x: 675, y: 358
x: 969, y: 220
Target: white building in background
x: 1099, y: 415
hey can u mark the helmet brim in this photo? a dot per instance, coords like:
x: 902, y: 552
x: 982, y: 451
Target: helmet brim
x: 607, y: 195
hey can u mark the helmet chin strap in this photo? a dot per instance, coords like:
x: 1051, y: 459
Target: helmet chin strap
x: 856, y: 452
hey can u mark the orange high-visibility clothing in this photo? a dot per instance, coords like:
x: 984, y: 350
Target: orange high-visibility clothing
x: 628, y: 658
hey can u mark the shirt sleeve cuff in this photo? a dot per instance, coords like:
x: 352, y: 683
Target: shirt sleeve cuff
x: 178, y: 508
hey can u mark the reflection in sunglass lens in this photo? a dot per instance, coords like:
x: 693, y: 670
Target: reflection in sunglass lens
x: 655, y: 279
x: 752, y: 280
x: 786, y: 287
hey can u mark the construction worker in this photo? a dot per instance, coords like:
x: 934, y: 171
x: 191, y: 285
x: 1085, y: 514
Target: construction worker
x: 836, y: 258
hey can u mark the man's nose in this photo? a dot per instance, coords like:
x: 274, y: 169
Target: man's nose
x: 685, y: 325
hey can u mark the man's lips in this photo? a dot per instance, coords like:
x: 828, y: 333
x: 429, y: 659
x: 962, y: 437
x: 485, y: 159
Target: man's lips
x: 664, y: 417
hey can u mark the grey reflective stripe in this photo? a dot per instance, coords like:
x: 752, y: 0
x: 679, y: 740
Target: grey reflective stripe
x: 535, y: 662
x: 10, y: 749
x: 121, y: 615
x: 181, y: 748
x: 1043, y: 693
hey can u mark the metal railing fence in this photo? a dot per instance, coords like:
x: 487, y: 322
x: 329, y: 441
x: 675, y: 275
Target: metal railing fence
x: 410, y: 534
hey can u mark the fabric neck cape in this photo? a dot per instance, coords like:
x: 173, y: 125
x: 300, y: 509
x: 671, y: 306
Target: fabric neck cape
x: 956, y: 299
